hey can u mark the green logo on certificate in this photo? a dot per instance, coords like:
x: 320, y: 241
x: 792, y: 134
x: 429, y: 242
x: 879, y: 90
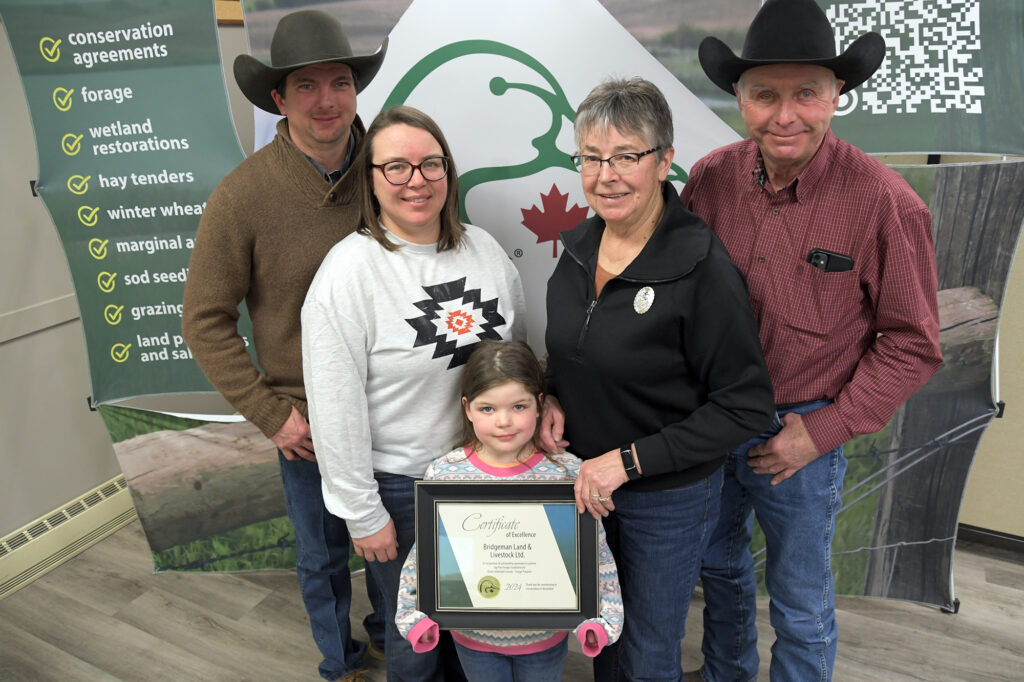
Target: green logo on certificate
x: 489, y: 587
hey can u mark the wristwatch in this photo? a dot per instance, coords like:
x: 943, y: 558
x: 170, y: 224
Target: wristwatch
x: 629, y: 463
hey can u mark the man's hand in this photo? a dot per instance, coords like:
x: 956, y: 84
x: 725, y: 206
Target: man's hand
x: 789, y: 451
x: 552, y: 426
x: 381, y: 546
x: 294, y: 438
x: 597, y: 479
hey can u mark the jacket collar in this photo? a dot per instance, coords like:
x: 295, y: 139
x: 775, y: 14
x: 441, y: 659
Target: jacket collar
x: 680, y: 241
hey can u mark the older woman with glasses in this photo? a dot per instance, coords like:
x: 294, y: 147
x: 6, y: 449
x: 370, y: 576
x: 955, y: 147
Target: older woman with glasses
x: 388, y: 323
x: 654, y: 356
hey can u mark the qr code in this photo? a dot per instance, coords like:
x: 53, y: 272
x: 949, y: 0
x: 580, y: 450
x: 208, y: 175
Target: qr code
x: 933, y: 55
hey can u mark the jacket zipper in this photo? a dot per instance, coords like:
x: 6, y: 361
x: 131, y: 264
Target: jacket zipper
x: 593, y: 302
x: 586, y: 325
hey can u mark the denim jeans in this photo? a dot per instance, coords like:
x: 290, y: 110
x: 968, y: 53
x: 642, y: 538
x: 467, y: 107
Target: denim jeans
x: 403, y: 664
x: 488, y: 666
x: 322, y: 544
x: 657, y: 538
x: 798, y: 520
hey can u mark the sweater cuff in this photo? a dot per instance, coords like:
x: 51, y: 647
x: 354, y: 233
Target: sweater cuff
x: 602, y: 638
x: 271, y: 416
x: 364, y: 526
x: 425, y: 626
x: 826, y: 428
x: 653, y: 456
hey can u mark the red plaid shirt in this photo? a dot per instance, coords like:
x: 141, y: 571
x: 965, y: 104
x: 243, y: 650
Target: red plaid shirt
x: 867, y: 337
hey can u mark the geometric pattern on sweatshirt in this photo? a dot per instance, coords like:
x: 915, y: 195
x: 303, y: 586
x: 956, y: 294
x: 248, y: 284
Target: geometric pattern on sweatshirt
x: 454, y: 320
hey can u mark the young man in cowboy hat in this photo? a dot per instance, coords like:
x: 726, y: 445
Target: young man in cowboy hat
x: 266, y: 228
x: 838, y: 255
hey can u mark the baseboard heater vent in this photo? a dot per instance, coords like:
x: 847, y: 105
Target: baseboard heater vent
x: 49, y: 541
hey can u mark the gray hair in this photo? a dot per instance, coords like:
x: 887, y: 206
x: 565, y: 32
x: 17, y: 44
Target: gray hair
x: 633, y: 106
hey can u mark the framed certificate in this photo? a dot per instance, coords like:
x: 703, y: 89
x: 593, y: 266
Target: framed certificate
x: 505, y: 555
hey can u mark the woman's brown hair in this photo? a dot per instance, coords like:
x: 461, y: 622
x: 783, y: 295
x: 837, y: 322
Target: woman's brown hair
x: 452, y: 230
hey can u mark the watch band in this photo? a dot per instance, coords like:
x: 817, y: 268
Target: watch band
x: 629, y: 463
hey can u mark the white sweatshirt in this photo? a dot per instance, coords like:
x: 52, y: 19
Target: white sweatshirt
x: 385, y: 335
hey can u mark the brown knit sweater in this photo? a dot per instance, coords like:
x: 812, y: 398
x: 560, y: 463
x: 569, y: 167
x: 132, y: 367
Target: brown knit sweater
x: 266, y: 228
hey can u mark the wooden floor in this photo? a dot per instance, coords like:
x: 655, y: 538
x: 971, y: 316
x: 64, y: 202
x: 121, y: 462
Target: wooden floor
x: 105, y: 616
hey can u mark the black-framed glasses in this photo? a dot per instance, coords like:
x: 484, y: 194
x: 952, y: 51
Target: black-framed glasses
x: 432, y: 168
x: 588, y: 164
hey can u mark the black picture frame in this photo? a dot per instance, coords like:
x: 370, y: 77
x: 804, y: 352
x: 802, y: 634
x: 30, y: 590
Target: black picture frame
x: 430, y: 494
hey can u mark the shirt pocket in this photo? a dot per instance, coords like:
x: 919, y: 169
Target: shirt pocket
x: 821, y: 302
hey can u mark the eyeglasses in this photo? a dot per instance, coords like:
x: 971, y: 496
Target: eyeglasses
x: 588, y: 164
x: 432, y: 168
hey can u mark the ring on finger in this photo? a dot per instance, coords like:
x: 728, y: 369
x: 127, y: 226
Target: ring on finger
x: 596, y: 495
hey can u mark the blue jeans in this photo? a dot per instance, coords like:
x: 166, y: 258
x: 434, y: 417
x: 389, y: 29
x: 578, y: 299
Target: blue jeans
x: 657, y: 538
x: 403, y: 664
x: 322, y: 544
x: 487, y: 666
x: 798, y: 520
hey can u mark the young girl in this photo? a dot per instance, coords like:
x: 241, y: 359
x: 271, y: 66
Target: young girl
x: 502, y: 394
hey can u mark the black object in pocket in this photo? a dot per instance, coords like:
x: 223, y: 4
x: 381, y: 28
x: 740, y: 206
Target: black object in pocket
x: 828, y: 261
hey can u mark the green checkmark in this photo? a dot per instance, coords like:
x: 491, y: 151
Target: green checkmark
x: 71, y: 144
x: 87, y: 215
x: 62, y: 98
x: 98, y: 248
x: 119, y: 352
x: 112, y: 313
x: 106, y: 281
x: 78, y: 184
x: 49, y: 48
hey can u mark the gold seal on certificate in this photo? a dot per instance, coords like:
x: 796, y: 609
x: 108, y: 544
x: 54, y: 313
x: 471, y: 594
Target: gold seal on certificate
x: 492, y: 554
x: 488, y: 587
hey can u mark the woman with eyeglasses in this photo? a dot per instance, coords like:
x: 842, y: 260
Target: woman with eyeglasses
x: 653, y: 353
x: 388, y: 323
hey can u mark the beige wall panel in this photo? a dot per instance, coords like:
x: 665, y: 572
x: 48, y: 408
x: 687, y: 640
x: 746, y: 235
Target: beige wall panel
x: 32, y: 265
x: 55, y: 448
x: 995, y: 489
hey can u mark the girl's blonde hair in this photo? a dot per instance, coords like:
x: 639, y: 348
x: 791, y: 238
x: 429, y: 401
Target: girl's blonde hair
x: 493, y: 363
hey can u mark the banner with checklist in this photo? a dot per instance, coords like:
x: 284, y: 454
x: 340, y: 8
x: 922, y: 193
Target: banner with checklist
x: 133, y: 132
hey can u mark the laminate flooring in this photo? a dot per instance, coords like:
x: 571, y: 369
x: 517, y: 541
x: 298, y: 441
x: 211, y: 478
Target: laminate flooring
x: 106, y: 616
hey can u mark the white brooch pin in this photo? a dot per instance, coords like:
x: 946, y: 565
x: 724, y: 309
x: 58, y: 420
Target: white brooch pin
x: 643, y: 300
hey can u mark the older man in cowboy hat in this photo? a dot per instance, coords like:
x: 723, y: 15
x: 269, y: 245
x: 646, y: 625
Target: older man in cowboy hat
x: 266, y: 228
x: 838, y: 255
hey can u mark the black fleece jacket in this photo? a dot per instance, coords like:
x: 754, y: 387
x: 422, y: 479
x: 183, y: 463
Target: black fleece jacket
x: 685, y: 380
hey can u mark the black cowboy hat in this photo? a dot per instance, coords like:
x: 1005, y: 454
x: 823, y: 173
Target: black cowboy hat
x: 302, y: 38
x: 792, y: 31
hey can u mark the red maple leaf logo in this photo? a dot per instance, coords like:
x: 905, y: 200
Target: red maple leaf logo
x: 548, y: 223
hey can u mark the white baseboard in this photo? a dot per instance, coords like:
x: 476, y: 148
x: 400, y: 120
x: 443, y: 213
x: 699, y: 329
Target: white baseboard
x: 49, y: 541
